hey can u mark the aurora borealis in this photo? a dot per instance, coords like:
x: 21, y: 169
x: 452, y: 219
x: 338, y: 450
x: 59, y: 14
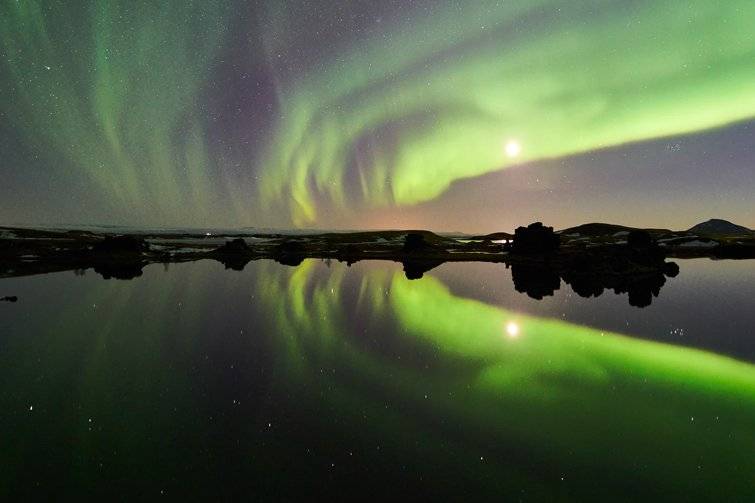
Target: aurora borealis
x: 443, y: 115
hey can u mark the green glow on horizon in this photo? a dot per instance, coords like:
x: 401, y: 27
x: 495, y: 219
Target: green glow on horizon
x: 437, y: 99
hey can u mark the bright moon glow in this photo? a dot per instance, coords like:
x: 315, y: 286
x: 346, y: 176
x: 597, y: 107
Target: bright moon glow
x: 512, y: 329
x: 512, y: 148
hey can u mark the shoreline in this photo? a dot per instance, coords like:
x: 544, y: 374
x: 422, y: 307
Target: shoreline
x: 589, y: 265
x: 37, y: 251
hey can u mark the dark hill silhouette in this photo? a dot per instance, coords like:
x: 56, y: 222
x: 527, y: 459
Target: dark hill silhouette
x: 595, y: 229
x: 495, y: 236
x: 720, y: 227
x: 602, y: 229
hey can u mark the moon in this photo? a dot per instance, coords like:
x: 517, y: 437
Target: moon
x: 512, y: 329
x: 512, y: 148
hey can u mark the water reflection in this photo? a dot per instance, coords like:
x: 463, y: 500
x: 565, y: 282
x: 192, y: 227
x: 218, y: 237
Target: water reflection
x: 542, y: 280
x: 341, y: 378
x: 536, y: 279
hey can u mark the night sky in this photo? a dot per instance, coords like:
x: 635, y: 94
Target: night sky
x: 446, y: 115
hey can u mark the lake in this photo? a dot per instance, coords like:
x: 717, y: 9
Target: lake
x: 282, y: 382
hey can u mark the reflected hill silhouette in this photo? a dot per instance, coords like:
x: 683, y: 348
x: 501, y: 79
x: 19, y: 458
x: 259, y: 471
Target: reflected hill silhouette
x: 534, y: 280
x: 118, y: 257
x: 234, y: 254
x: 637, y: 268
x: 416, y: 268
x: 120, y: 270
x: 234, y: 262
x: 543, y: 280
x: 640, y: 273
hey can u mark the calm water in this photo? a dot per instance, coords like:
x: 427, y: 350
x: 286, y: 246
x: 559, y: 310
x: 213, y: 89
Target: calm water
x: 282, y: 382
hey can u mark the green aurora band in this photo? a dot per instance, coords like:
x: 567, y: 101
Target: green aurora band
x: 112, y: 89
x: 438, y: 98
x: 115, y: 93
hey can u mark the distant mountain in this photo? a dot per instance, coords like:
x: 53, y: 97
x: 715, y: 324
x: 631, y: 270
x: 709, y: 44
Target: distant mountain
x: 595, y: 229
x: 493, y: 236
x: 718, y: 226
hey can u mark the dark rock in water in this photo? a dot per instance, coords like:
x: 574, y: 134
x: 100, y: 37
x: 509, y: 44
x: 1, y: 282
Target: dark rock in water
x: 415, y: 269
x: 9, y: 298
x: 118, y: 257
x: 535, y: 239
x: 234, y: 262
x: 237, y: 245
x: 639, y: 239
x: 234, y: 254
x: 642, y: 290
x: 290, y: 260
x: 414, y: 241
x: 290, y: 252
x: 536, y: 280
x: 735, y: 251
x: 641, y: 287
x: 639, y: 272
x: 586, y: 285
x: 120, y: 270
x: 120, y: 244
x: 671, y: 269
x: 291, y: 247
x: 348, y: 253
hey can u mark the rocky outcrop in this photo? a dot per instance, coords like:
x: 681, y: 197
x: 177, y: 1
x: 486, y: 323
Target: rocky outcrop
x: 234, y: 254
x: 415, y: 242
x: 535, y: 239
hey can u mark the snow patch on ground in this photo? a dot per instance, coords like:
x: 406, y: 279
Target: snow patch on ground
x: 176, y: 251
x: 188, y: 250
x: 210, y: 242
x: 620, y: 234
x: 699, y: 244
